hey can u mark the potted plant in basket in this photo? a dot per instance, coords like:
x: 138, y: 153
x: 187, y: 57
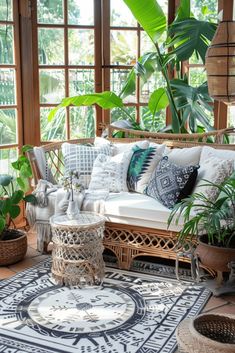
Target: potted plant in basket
x: 13, y: 242
x: 211, y: 224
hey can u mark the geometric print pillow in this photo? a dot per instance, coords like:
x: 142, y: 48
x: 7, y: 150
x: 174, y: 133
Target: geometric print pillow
x: 169, y: 183
x: 81, y: 158
x: 142, y: 164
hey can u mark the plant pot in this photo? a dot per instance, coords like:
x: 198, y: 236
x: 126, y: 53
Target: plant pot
x: 214, y: 257
x: 13, y: 250
x: 207, y: 333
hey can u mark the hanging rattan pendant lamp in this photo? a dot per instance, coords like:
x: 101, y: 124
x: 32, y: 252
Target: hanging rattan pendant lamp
x: 220, y: 63
x: 220, y: 58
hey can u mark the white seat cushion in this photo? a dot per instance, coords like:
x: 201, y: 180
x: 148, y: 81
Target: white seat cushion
x: 137, y: 209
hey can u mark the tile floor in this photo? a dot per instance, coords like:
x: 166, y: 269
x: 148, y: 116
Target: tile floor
x: 223, y: 304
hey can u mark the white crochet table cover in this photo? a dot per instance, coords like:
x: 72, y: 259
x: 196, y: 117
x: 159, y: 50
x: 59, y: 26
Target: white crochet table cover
x: 77, y: 249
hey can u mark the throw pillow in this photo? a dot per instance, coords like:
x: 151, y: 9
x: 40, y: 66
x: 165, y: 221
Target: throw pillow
x: 127, y: 147
x: 81, y: 158
x: 169, y: 183
x: 110, y: 172
x: 215, y: 170
x: 142, y: 164
x: 185, y: 156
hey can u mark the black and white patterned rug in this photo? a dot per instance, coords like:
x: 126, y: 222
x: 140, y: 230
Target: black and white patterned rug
x: 131, y: 312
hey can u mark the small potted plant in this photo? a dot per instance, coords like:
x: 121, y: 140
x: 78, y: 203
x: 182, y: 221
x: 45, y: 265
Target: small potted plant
x: 13, y: 242
x: 211, y: 224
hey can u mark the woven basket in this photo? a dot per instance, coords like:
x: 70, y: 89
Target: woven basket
x: 12, y: 251
x: 207, y: 333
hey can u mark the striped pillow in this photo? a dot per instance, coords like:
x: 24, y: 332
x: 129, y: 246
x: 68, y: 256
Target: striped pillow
x: 81, y: 158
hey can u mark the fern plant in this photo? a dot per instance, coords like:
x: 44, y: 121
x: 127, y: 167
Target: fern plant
x: 215, y: 219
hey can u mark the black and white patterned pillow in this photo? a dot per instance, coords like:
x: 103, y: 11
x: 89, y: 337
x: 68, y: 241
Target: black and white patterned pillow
x: 81, y: 158
x: 169, y: 183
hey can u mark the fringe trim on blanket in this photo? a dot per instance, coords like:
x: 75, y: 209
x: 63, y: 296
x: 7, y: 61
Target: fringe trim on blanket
x: 44, y: 234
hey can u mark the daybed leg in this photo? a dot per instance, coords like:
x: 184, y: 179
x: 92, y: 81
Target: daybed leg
x: 125, y: 259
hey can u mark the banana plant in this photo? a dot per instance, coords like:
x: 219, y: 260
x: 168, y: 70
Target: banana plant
x: 190, y: 106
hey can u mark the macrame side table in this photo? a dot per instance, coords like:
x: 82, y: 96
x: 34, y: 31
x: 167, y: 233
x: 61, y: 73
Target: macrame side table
x: 77, y: 249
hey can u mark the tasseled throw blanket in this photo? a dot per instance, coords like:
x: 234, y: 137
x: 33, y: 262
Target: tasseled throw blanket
x: 53, y: 200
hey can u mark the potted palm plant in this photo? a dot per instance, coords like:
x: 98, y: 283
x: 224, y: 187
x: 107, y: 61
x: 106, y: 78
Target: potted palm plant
x: 211, y: 224
x: 13, y: 242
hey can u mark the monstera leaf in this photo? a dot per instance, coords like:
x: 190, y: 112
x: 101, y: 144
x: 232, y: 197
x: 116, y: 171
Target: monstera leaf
x: 189, y: 36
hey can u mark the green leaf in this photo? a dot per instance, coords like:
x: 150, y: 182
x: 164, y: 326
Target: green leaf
x: 26, y: 148
x: 150, y: 16
x: 30, y: 198
x: 106, y: 100
x: 22, y: 184
x: 183, y: 11
x: 2, y: 223
x: 191, y: 35
x: 194, y: 102
x: 14, y: 211
x: 5, y: 179
x: 144, y: 68
x: 17, y: 196
x: 6, y: 206
x: 158, y: 100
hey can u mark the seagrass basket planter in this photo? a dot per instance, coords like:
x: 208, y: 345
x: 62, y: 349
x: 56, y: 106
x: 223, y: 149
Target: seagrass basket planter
x: 207, y: 333
x: 220, y: 63
x: 13, y: 250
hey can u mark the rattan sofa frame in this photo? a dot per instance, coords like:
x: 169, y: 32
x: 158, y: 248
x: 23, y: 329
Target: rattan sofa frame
x: 130, y: 241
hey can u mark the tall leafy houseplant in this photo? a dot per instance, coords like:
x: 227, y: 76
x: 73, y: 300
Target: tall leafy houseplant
x: 190, y: 106
x: 12, y: 192
x: 211, y: 223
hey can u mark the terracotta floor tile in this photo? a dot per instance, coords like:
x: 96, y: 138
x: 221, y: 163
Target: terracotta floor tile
x: 6, y: 272
x: 226, y: 309
x: 22, y: 265
x: 214, y: 302
x: 40, y: 258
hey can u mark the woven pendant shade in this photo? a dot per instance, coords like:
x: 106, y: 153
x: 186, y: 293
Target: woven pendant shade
x: 220, y: 63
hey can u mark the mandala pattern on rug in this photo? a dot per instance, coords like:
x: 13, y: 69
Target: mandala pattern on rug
x: 130, y: 312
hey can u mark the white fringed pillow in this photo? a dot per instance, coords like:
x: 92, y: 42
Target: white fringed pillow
x: 81, y: 158
x: 110, y: 172
x: 215, y: 170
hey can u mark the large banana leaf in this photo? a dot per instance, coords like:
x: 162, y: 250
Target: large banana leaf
x: 150, y: 16
x: 193, y: 102
x: 106, y: 100
x: 191, y: 35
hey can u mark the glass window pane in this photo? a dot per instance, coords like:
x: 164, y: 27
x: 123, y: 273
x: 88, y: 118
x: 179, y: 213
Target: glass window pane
x: 197, y: 76
x: 6, y: 10
x: 81, y: 81
x: 50, y: 11
x: 50, y: 46
x: 52, y: 86
x: 82, y: 122
x: 205, y: 10
x: 231, y: 116
x: 81, y: 12
x: 118, y: 114
x: 7, y: 86
x: 7, y: 156
x: 150, y: 122
x: 154, y: 82
x: 81, y: 46
x: 55, y: 129
x: 6, y: 44
x: 8, y: 126
x: 121, y: 16
x: 146, y: 45
x: 123, y: 47
x: 118, y: 78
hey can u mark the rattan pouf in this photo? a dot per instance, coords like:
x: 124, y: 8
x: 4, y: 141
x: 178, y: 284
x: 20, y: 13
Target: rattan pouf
x: 207, y: 333
x: 77, y: 249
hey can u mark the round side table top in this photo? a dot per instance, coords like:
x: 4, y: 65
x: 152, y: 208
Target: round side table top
x: 84, y: 220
